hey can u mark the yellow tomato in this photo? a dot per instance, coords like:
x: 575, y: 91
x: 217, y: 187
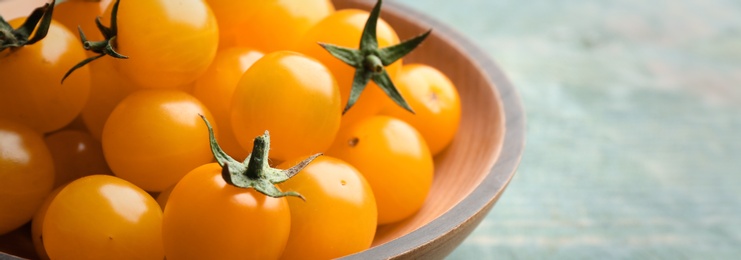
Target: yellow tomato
x: 395, y: 160
x: 339, y: 216
x: 435, y: 101
x: 76, y: 154
x: 38, y: 223
x: 102, y: 217
x: 108, y: 87
x: 344, y: 28
x: 207, y: 218
x: 292, y: 96
x: 154, y: 137
x: 215, y: 89
x: 82, y: 13
x: 31, y: 92
x: 169, y: 42
x: 268, y: 25
x: 26, y: 174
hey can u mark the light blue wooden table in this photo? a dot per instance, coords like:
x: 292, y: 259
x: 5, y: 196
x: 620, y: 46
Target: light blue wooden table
x: 634, y: 127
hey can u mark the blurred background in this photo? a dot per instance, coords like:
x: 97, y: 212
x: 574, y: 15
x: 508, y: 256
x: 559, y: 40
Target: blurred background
x: 633, y: 127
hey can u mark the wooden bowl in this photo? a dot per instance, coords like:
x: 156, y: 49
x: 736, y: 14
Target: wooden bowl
x: 473, y: 172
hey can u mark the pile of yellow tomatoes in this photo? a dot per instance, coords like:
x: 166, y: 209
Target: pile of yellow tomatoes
x: 116, y: 160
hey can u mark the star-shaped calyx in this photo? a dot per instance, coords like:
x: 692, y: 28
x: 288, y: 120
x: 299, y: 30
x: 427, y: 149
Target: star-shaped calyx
x: 369, y: 61
x: 255, y: 172
x: 14, y: 38
x: 102, y: 48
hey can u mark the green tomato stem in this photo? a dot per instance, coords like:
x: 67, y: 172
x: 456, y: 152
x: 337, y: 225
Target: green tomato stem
x: 369, y: 60
x: 255, y: 172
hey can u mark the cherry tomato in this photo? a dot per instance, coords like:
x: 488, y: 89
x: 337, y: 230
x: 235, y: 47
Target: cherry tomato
x: 435, y: 101
x: 292, y: 96
x: 102, y: 217
x: 31, y: 92
x: 215, y: 89
x: 395, y: 160
x: 273, y: 25
x: 26, y: 175
x: 108, y: 87
x: 82, y: 13
x: 154, y: 137
x: 344, y: 28
x: 206, y: 218
x: 169, y: 43
x: 232, y: 17
x: 76, y: 154
x: 339, y: 216
x: 38, y: 223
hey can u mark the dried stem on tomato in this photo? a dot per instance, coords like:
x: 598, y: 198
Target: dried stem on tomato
x: 14, y: 38
x: 102, y: 48
x: 255, y: 172
x: 369, y: 61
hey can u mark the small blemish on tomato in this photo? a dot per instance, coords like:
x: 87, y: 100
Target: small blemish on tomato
x: 353, y: 142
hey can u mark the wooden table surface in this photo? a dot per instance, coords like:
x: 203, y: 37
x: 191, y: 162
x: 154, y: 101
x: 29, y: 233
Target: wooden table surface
x: 634, y: 127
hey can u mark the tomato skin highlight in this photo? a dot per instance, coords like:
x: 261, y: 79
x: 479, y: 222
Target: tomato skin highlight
x: 31, y: 92
x: 102, y: 217
x: 37, y: 223
x: 206, y: 218
x: 154, y: 137
x: 395, y: 160
x: 26, y: 174
x: 435, y: 101
x: 339, y: 216
x: 292, y: 96
x: 169, y: 42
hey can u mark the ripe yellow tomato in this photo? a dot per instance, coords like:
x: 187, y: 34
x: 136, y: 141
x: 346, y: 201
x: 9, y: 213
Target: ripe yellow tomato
x: 154, y: 137
x: 206, y: 218
x: 292, y: 96
x: 37, y: 223
x: 273, y: 25
x: 344, y: 28
x: 215, y: 89
x: 26, y: 174
x: 108, y: 87
x: 82, y: 13
x: 31, y: 92
x: 102, y: 217
x: 169, y: 42
x: 395, y: 160
x: 76, y: 154
x: 339, y: 216
x: 232, y: 17
x: 435, y: 101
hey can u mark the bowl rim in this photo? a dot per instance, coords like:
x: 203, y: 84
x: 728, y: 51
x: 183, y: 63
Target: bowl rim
x: 481, y: 199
